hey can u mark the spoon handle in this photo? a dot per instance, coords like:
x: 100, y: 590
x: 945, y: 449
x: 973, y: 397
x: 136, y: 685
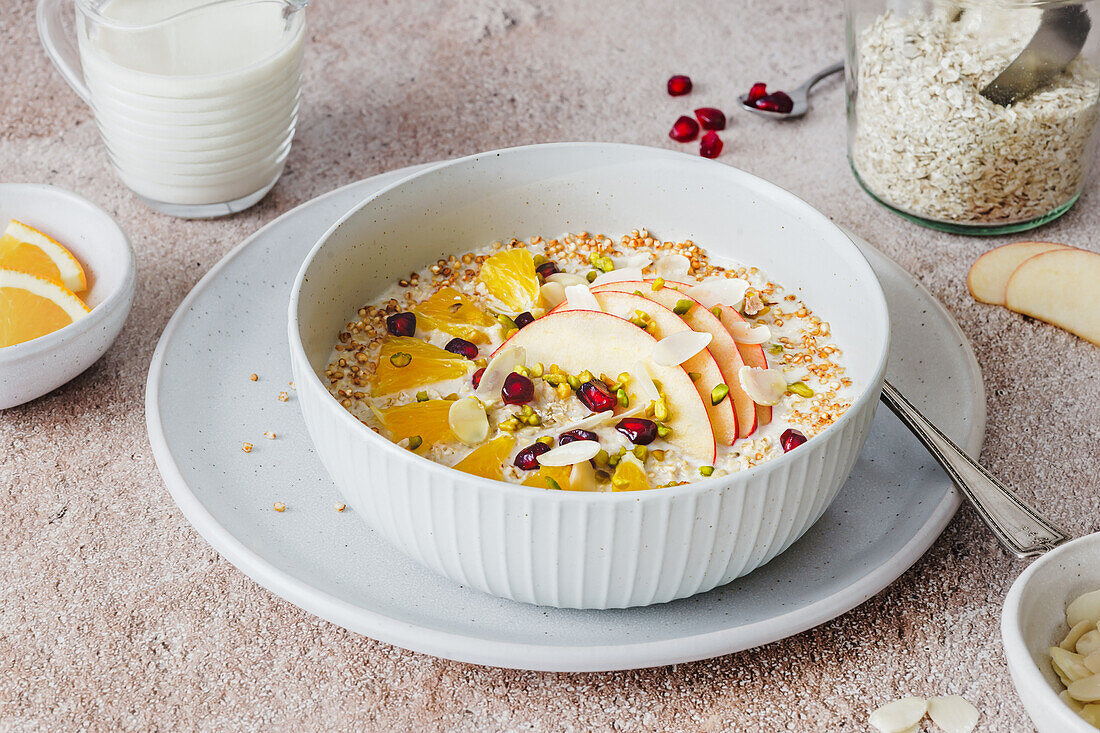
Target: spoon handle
x: 828, y: 71
x: 1019, y: 527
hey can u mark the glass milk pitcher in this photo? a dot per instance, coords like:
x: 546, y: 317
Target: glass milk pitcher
x: 196, y: 100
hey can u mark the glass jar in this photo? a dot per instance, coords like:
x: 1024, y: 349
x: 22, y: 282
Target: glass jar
x: 923, y: 139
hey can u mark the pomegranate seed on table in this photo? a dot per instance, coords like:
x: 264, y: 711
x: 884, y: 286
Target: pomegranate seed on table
x: 775, y: 102
x: 679, y: 85
x: 401, y: 324
x: 524, y: 319
x: 639, y: 430
x: 684, y: 130
x: 462, y: 347
x: 596, y: 396
x: 477, y: 377
x: 570, y: 436
x: 527, y: 459
x: 517, y: 390
x: 711, y: 145
x: 791, y: 439
x: 757, y: 91
x: 546, y: 269
x: 711, y: 118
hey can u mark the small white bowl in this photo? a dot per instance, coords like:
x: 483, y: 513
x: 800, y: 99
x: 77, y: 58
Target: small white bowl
x: 1034, y: 619
x: 565, y: 548
x: 33, y: 368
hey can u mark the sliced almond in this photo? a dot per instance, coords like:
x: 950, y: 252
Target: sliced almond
x: 1085, y: 607
x: 670, y: 266
x: 1086, y: 689
x: 763, y: 386
x: 619, y: 275
x: 899, y: 715
x: 583, y: 476
x: 744, y: 334
x: 1073, y: 704
x: 1080, y: 629
x: 553, y: 293
x: 1066, y: 681
x: 580, y: 298
x: 496, y: 371
x: 1071, y: 663
x: 677, y: 348
x: 565, y: 279
x: 1088, y: 643
x: 644, y: 386
x: 638, y: 260
x: 1092, y: 661
x: 1091, y: 715
x: 468, y: 420
x: 952, y: 714
x: 722, y: 291
x: 570, y: 453
x: 597, y: 419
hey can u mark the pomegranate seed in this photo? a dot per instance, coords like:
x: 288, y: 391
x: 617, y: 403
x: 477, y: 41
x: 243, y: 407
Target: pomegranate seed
x: 758, y: 90
x: 638, y: 429
x: 517, y: 390
x: 711, y: 118
x: 524, y: 319
x: 775, y: 102
x: 401, y: 324
x: 679, y: 85
x: 596, y: 396
x: 711, y: 145
x: 527, y: 459
x: 684, y: 130
x: 462, y: 347
x: 791, y: 439
x: 570, y: 436
x: 477, y: 377
x: 546, y: 269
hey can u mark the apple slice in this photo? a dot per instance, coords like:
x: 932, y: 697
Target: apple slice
x: 751, y: 354
x: 722, y: 346
x: 1061, y: 287
x: 989, y: 274
x: 577, y: 340
x: 665, y: 323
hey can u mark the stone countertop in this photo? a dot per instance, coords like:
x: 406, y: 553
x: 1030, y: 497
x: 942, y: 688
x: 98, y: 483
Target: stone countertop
x: 116, y: 614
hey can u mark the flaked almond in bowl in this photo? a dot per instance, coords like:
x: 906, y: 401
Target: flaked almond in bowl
x: 612, y: 295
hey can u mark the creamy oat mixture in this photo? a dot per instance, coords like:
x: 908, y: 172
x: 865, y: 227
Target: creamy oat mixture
x: 927, y: 142
x: 368, y: 358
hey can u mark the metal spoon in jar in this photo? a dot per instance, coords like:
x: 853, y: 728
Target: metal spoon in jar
x: 800, y: 96
x: 1018, y: 526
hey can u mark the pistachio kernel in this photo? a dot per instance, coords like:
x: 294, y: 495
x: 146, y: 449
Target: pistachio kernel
x: 545, y: 440
x: 706, y: 470
x: 663, y: 431
x: 415, y: 442
x: 551, y: 483
x: 718, y: 394
x: 400, y: 359
x: 800, y: 388
x: 621, y: 396
x: 682, y: 306
x: 422, y: 396
x: 592, y: 275
x: 640, y: 452
x: 657, y: 284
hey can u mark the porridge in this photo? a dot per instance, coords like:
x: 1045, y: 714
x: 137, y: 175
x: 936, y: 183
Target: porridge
x: 927, y: 142
x: 586, y: 363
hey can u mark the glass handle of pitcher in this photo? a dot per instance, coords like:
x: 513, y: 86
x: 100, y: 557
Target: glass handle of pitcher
x: 59, y: 45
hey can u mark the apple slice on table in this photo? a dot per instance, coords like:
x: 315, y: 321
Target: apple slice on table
x: 665, y: 323
x: 990, y: 273
x: 1061, y: 287
x: 722, y: 346
x: 577, y: 340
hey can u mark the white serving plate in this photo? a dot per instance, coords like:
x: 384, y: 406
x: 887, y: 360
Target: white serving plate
x: 200, y: 406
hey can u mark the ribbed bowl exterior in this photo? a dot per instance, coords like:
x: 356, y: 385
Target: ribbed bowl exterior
x: 575, y: 550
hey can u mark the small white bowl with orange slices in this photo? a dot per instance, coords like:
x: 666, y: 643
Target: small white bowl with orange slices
x: 66, y: 287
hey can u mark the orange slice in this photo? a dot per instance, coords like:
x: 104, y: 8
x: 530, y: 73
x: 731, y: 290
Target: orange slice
x: 28, y: 250
x: 559, y: 475
x: 629, y: 475
x: 407, y: 362
x: 33, y: 306
x: 510, y: 278
x: 451, y: 311
x: 427, y: 419
x: 488, y: 460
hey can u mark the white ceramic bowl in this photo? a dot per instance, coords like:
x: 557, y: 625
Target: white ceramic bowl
x: 561, y: 548
x: 33, y: 368
x: 1034, y: 619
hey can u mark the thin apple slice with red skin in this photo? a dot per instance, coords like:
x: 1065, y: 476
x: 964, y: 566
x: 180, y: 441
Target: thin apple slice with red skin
x: 751, y: 354
x: 722, y: 346
x: 722, y: 416
x: 577, y: 340
x: 1061, y: 287
x: 990, y: 273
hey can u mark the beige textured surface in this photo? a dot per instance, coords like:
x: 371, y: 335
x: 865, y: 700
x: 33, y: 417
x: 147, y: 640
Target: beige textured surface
x: 116, y: 614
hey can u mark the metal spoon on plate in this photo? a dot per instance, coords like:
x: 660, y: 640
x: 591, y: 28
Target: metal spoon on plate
x: 799, y: 96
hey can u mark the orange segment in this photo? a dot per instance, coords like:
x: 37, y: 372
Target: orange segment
x: 451, y: 311
x: 510, y: 278
x: 629, y: 475
x: 25, y: 249
x: 33, y: 306
x: 427, y: 419
x: 558, y: 474
x: 426, y: 364
x: 488, y: 460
